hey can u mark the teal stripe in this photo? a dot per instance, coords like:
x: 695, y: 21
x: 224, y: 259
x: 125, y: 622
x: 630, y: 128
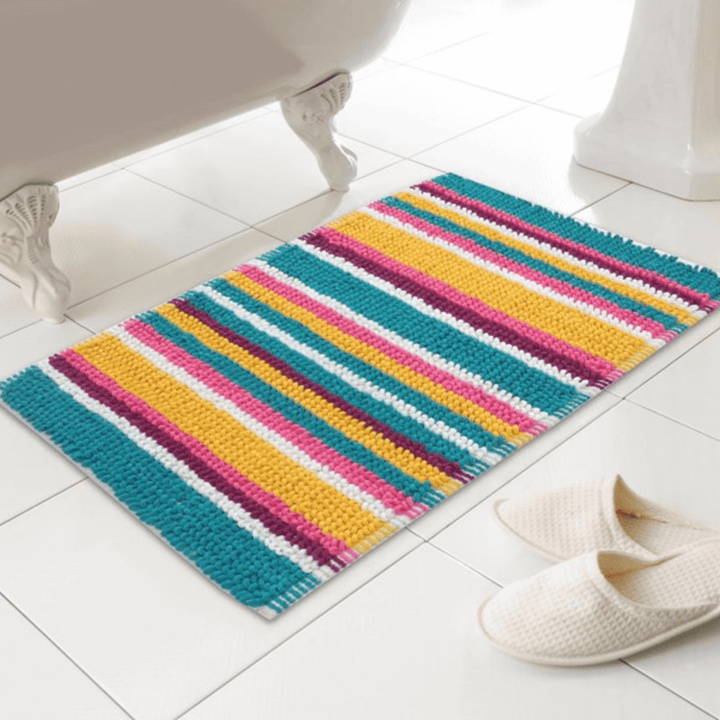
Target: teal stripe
x: 310, y: 369
x: 420, y: 492
x: 701, y: 279
x: 668, y: 321
x: 193, y: 525
x: 507, y: 372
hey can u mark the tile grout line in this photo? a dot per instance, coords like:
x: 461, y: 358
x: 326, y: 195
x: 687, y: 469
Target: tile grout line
x: 672, y: 420
x: 64, y: 653
x: 20, y: 329
x: 80, y: 183
x: 665, y: 687
x: 5, y: 522
x: 187, y: 256
x: 183, y: 143
x: 573, y: 88
x: 12, y: 282
x: 469, y: 84
x: 464, y: 564
x: 599, y: 200
x: 136, y: 174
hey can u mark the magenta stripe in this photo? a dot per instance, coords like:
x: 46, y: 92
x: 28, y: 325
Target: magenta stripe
x: 355, y: 474
x: 449, y: 467
x: 523, y: 336
x: 268, y: 508
x: 583, y: 252
x: 562, y: 287
x: 498, y: 408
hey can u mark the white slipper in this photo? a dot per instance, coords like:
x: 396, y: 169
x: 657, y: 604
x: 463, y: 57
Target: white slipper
x: 602, y: 606
x: 566, y: 522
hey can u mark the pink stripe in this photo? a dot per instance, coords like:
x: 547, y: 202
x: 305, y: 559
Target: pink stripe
x: 655, y: 328
x: 622, y: 268
x: 596, y: 364
x: 236, y: 479
x: 355, y: 474
x: 497, y: 407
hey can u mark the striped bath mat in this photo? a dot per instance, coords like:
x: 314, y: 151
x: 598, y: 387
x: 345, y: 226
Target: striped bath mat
x: 279, y: 421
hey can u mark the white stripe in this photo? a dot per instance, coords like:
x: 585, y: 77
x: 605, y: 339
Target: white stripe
x: 564, y: 376
x: 292, y: 452
x: 398, y: 340
x: 358, y: 383
x: 562, y: 254
x: 278, y: 545
x: 512, y: 276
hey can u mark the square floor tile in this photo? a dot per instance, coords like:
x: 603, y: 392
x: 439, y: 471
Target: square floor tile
x: 169, y: 281
x: 687, y: 665
x: 36, y: 341
x: 14, y: 313
x: 680, y: 227
x: 429, y: 26
x: 666, y: 356
x: 145, y: 625
x: 119, y: 226
x: 586, y: 98
x: 406, y: 110
x: 528, y: 154
x: 195, y: 135
x: 689, y: 390
x: 38, y: 681
x: 250, y: 171
x: 406, y: 646
x: 32, y: 470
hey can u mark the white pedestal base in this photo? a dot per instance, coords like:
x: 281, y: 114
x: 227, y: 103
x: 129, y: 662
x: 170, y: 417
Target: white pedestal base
x: 25, y: 249
x: 661, y: 128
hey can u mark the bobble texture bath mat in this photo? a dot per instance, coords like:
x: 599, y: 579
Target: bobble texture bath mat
x: 281, y: 420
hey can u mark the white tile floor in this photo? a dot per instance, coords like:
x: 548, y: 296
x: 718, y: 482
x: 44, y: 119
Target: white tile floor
x: 99, y: 620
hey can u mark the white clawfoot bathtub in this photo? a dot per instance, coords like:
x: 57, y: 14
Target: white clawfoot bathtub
x: 86, y: 82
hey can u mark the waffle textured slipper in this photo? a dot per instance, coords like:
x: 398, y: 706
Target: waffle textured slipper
x: 602, y: 606
x: 566, y: 522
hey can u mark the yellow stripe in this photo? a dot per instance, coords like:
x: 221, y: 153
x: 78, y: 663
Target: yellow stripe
x: 684, y: 316
x: 334, y: 513
x: 512, y: 298
x: 379, y: 359
x: 354, y: 429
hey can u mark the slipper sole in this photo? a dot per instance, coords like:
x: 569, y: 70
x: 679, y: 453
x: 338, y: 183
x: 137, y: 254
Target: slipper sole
x: 595, y: 659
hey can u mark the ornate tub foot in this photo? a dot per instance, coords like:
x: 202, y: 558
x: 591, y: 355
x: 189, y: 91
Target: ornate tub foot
x: 311, y: 115
x: 25, y: 250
